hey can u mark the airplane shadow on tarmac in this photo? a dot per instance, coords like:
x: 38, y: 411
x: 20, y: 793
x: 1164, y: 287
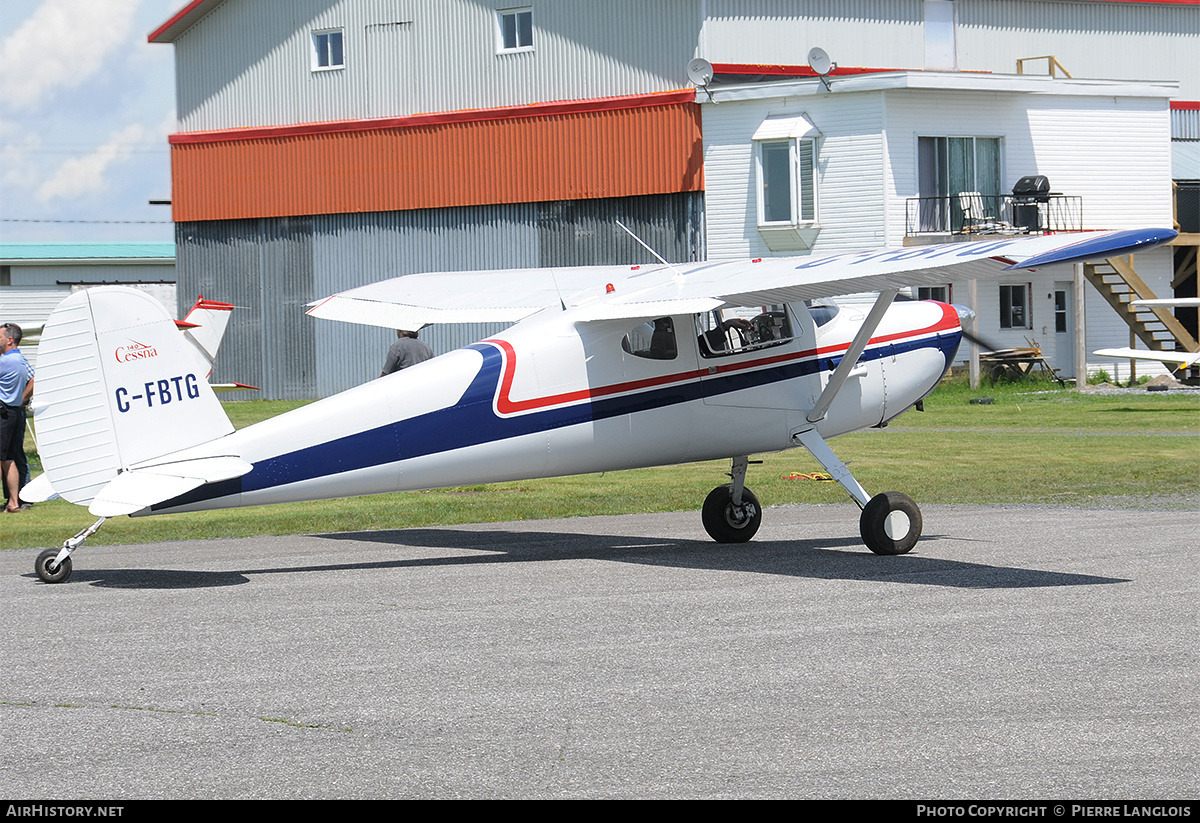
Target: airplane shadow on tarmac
x: 825, y: 558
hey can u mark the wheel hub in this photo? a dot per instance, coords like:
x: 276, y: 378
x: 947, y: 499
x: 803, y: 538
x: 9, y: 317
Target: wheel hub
x: 739, y: 516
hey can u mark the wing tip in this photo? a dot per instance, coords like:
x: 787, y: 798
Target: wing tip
x: 1106, y: 245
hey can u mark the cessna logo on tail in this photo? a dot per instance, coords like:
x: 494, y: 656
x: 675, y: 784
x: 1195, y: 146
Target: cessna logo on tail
x: 137, y: 351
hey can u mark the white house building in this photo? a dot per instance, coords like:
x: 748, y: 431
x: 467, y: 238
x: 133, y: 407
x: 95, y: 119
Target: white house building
x: 804, y: 166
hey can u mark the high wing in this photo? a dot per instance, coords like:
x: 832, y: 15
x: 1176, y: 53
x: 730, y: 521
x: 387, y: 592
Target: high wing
x: 412, y: 301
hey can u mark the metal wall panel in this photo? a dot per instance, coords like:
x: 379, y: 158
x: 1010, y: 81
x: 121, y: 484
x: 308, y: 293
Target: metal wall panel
x: 872, y: 33
x: 250, y: 63
x: 355, y: 249
x: 643, y: 149
x: 24, y: 274
x: 585, y: 232
x: 265, y: 268
x: 1185, y: 124
x: 1122, y: 41
x: 270, y: 268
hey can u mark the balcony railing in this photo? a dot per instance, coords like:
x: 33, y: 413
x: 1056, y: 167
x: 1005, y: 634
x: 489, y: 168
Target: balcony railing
x: 973, y: 213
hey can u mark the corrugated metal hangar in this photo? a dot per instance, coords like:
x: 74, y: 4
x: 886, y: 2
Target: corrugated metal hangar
x: 325, y: 144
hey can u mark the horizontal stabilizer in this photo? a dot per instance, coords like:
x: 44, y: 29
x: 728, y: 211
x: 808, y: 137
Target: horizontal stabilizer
x: 38, y: 490
x: 140, y: 488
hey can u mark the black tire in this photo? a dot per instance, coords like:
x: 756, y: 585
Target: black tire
x: 42, y: 567
x: 727, y: 523
x: 873, y: 524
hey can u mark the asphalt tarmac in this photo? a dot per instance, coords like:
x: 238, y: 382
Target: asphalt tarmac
x: 1018, y: 653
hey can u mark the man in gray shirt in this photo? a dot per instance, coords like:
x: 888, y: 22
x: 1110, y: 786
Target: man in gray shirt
x: 406, y: 351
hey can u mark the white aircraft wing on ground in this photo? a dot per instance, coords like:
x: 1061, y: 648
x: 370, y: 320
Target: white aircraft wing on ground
x: 1182, y: 358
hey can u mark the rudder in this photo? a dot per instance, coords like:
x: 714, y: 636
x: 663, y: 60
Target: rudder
x: 116, y: 385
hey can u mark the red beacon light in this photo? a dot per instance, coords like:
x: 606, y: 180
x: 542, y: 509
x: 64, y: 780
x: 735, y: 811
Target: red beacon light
x: 609, y: 289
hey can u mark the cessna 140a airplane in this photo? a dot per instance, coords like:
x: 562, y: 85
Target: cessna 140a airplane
x: 606, y: 368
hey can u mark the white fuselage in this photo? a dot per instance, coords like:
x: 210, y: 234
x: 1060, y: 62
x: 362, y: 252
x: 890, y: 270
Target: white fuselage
x: 555, y: 396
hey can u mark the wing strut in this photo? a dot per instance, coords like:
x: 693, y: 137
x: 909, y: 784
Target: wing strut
x: 850, y: 359
x: 818, y: 448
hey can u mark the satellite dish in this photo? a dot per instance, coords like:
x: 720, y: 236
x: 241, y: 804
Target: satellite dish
x: 819, y: 61
x: 700, y: 71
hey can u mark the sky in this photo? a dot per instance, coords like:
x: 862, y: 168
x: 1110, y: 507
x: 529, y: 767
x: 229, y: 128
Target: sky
x: 86, y: 105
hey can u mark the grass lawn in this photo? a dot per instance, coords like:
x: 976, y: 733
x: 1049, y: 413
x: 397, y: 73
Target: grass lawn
x: 1034, y: 444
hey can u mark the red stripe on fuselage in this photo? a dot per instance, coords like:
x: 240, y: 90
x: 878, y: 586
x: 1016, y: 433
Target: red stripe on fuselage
x: 505, y: 405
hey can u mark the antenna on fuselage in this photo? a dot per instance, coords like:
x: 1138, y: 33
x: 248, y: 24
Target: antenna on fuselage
x: 647, y: 247
x: 561, y: 302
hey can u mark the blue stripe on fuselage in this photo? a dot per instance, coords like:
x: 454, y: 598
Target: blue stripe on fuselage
x: 473, y: 420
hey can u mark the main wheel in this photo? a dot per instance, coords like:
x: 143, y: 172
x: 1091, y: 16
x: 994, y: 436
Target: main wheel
x: 890, y: 523
x: 48, y: 575
x: 727, y: 523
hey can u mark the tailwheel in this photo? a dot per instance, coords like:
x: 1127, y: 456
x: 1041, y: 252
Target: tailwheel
x: 48, y: 571
x: 727, y: 522
x: 890, y: 523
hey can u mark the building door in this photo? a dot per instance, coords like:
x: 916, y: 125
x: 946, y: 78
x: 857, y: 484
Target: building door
x: 1064, y: 328
x: 392, y: 82
x: 950, y: 166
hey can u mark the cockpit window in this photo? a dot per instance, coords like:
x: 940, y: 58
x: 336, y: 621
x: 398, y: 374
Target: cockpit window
x: 822, y: 311
x: 730, y: 331
x: 653, y: 339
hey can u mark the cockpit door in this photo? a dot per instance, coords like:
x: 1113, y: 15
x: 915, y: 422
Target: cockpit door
x: 756, y: 357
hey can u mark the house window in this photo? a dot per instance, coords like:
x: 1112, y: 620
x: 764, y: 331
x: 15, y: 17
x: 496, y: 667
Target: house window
x: 948, y: 167
x: 327, y: 50
x: 515, y: 30
x: 940, y: 293
x: 1060, y: 311
x: 1014, y: 307
x: 787, y: 183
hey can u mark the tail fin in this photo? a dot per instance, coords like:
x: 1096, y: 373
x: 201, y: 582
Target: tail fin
x: 117, y: 385
x: 204, y: 327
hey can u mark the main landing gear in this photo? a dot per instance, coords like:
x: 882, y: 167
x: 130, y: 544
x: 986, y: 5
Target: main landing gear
x: 890, y: 522
x: 731, y: 513
x: 54, y: 565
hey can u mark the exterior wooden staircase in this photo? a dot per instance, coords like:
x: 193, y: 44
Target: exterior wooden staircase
x: 1156, y: 327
